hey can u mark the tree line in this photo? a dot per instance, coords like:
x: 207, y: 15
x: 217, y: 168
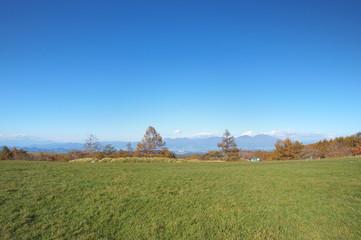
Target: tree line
x: 152, y: 145
x: 286, y: 149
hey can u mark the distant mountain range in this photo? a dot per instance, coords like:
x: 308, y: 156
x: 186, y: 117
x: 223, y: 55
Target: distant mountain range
x: 177, y: 145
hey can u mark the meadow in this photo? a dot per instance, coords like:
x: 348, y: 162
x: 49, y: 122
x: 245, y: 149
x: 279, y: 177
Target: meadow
x: 315, y: 199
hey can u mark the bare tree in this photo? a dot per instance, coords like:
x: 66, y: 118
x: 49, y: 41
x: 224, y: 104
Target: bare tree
x: 129, y: 147
x: 92, y: 144
x: 335, y: 150
x: 309, y: 152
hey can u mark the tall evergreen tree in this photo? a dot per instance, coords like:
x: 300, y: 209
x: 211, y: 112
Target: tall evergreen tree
x: 228, y: 146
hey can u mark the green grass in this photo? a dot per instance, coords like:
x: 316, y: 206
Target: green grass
x: 318, y: 199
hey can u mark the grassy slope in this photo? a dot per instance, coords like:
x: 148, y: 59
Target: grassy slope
x: 318, y: 199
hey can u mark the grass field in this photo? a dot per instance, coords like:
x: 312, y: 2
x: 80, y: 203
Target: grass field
x: 318, y: 199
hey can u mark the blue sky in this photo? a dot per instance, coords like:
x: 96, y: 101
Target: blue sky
x: 112, y: 68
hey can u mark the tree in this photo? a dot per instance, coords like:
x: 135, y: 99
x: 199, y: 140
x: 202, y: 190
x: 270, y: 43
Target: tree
x: 19, y: 154
x: 92, y: 144
x: 14, y: 152
x: 109, y: 149
x: 167, y: 154
x: 309, y: 152
x: 6, y: 154
x: 356, y: 151
x: 287, y: 150
x: 358, y: 134
x: 263, y: 155
x: 151, y: 143
x: 336, y: 149
x: 228, y: 146
x: 129, y: 147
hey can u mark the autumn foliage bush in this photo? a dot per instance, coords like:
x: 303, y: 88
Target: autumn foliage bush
x: 356, y: 151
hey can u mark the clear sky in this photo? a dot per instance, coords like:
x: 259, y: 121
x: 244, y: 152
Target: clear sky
x: 112, y: 68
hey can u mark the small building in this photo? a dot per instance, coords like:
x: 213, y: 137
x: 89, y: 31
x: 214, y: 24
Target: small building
x: 255, y: 159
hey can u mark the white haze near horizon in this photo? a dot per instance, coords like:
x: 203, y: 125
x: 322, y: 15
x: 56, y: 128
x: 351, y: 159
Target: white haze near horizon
x: 282, y: 134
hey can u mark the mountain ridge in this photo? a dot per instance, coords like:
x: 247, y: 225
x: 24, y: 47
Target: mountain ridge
x: 181, y: 145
